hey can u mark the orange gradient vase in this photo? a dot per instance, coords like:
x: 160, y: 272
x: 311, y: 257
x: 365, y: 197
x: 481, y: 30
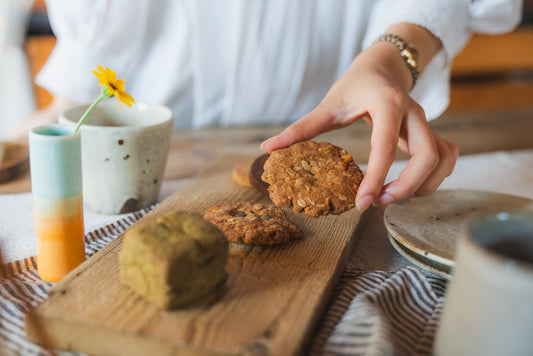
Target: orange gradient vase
x: 56, y: 181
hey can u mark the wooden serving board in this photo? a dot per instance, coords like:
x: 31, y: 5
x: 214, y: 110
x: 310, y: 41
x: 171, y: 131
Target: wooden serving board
x: 270, y: 304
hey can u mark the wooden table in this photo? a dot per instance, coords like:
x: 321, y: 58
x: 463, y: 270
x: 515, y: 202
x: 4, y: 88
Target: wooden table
x: 473, y: 132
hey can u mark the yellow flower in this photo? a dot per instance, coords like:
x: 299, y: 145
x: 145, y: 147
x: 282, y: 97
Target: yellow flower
x: 112, y: 86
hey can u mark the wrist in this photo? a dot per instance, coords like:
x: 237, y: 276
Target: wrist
x: 413, y: 44
x: 385, y: 59
x: 426, y: 44
x: 408, y: 53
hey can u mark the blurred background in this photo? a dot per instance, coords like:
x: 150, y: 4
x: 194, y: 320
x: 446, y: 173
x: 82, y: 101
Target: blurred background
x: 492, y: 77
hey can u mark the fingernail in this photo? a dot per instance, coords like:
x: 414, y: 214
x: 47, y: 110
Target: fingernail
x: 385, y: 199
x: 363, y: 203
x: 262, y: 146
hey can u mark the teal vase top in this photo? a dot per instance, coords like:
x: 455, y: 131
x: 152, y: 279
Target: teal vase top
x: 55, y: 161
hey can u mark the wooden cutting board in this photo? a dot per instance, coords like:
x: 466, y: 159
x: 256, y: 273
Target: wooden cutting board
x: 270, y: 304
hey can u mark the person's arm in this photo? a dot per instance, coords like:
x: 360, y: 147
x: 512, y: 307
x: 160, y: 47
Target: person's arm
x: 376, y: 87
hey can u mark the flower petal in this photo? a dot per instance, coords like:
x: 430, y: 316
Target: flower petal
x: 111, y: 75
x: 101, y: 77
x: 126, y: 98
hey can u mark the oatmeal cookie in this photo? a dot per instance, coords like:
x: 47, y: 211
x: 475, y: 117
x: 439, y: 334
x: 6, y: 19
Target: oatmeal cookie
x: 241, y: 172
x: 253, y: 223
x: 256, y: 171
x: 316, y: 178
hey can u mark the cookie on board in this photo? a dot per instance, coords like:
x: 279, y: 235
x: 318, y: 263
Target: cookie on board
x: 253, y: 223
x: 241, y: 172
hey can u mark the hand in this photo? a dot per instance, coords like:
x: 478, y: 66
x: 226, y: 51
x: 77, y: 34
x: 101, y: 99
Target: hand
x: 377, y: 91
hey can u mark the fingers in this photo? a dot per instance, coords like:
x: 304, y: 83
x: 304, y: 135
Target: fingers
x: 383, y: 142
x: 424, y: 159
x: 432, y: 158
x: 316, y: 122
x: 418, y: 178
x: 448, y: 153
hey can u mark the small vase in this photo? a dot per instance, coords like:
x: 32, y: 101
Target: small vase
x: 56, y: 181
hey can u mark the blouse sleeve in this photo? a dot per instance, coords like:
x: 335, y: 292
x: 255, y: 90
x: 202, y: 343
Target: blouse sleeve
x: 453, y: 22
x: 91, y: 33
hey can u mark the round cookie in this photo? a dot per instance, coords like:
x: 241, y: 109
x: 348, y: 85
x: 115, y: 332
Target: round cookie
x: 256, y: 171
x: 253, y: 223
x: 316, y: 178
x: 240, y: 173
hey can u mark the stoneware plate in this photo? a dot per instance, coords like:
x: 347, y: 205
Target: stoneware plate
x: 427, y: 228
x: 420, y: 261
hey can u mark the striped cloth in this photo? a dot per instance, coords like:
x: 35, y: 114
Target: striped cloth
x: 21, y: 289
x: 380, y: 313
x: 370, y: 313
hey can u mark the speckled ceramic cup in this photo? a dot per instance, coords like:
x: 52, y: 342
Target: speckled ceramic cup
x: 124, y: 154
x: 489, y: 302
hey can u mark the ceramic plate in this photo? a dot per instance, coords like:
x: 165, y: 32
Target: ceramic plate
x: 420, y: 261
x: 427, y: 228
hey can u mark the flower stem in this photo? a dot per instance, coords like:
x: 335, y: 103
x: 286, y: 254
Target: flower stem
x: 88, y: 111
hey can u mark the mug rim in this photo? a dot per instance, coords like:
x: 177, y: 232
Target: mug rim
x: 499, y: 257
x: 88, y: 126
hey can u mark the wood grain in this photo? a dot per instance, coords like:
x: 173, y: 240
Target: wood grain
x: 270, y: 304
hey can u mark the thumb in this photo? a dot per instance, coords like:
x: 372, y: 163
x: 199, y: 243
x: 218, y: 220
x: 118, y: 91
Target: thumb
x: 319, y: 120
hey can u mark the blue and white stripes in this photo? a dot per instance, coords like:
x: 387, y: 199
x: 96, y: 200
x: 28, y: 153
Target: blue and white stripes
x: 21, y: 289
x: 379, y: 313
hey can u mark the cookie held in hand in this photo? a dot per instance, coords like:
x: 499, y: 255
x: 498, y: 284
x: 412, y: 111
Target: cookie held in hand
x: 315, y: 178
x: 253, y: 223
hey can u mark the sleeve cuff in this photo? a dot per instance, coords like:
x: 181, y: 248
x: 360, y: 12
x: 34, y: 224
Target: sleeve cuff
x: 453, y: 22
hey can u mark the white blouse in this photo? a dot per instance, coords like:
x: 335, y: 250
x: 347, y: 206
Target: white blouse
x: 243, y: 62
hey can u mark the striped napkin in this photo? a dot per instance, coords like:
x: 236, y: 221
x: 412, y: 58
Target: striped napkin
x: 370, y: 312
x: 21, y: 289
x: 380, y: 313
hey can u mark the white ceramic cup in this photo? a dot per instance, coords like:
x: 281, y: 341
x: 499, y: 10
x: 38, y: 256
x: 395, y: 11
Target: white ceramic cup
x: 489, y: 301
x: 124, y: 154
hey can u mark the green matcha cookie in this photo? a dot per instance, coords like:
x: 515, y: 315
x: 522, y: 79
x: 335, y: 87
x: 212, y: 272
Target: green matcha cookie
x: 174, y: 260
